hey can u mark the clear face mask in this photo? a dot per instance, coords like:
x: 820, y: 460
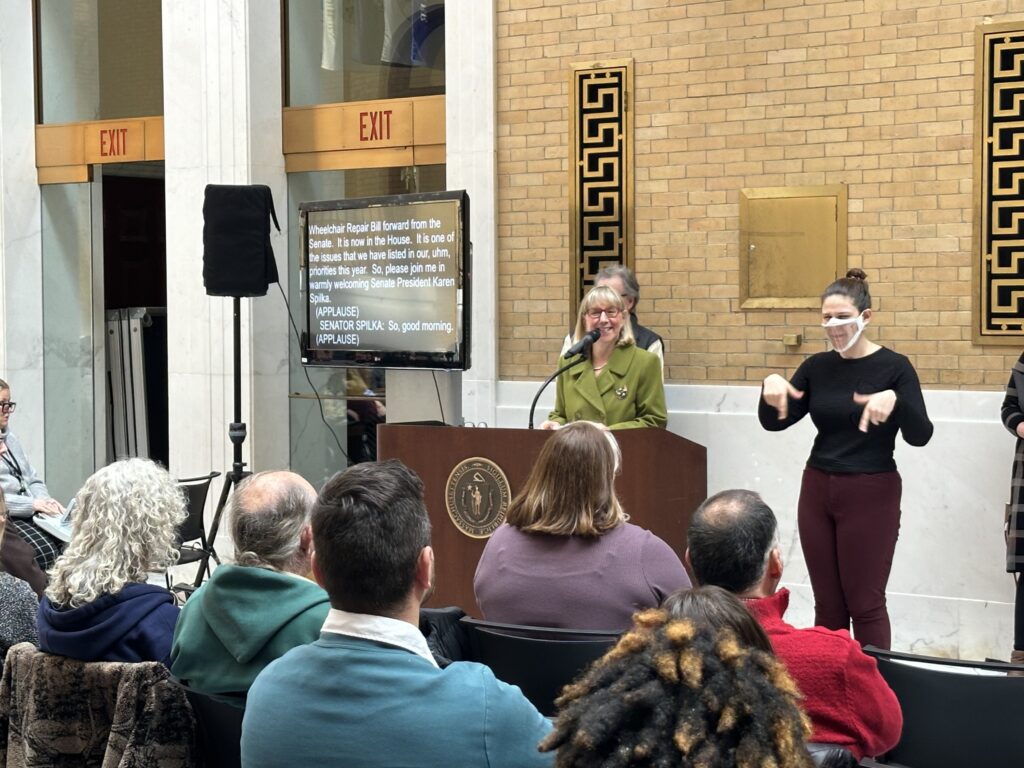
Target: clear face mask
x: 837, y: 322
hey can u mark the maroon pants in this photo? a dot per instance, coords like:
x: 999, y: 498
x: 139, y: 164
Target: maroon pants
x: 848, y: 530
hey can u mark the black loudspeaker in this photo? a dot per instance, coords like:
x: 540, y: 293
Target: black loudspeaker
x: 237, y: 258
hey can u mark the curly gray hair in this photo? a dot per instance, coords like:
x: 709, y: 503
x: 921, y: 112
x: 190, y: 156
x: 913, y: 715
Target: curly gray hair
x: 124, y: 525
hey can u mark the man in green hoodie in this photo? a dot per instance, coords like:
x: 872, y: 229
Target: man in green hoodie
x: 252, y: 612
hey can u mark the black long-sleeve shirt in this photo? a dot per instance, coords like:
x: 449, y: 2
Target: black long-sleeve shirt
x: 829, y: 382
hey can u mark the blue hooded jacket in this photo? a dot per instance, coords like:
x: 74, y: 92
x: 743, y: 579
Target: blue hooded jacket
x: 136, y: 624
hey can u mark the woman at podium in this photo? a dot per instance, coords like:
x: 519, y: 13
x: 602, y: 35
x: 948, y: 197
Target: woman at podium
x: 565, y: 556
x: 620, y: 385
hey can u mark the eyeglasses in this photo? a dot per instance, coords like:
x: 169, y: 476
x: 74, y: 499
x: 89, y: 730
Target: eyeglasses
x: 7, y: 406
x: 595, y: 314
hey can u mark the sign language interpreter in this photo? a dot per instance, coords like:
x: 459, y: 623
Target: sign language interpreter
x: 859, y: 395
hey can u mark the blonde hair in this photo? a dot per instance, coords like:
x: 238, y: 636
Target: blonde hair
x: 124, y: 526
x: 604, y: 296
x: 571, y: 488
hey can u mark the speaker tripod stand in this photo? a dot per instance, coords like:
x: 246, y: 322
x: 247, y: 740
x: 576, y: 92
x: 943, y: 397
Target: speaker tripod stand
x: 236, y: 433
x: 238, y: 261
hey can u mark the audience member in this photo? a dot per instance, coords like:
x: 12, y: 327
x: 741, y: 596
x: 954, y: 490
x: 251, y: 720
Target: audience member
x: 252, y: 612
x: 368, y: 692
x: 622, y: 280
x: 24, y: 493
x: 733, y: 544
x: 723, y: 610
x: 566, y: 557
x: 618, y: 384
x: 98, y: 606
x: 719, y: 609
x: 18, y: 607
x: 1012, y: 413
x: 680, y: 692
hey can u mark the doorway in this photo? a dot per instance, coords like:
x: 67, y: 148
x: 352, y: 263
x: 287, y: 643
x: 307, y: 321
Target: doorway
x: 135, y: 310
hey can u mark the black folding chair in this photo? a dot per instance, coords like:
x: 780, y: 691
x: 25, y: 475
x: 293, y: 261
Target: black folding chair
x: 193, y: 545
x: 218, y: 727
x: 540, y: 660
x: 952, y: 718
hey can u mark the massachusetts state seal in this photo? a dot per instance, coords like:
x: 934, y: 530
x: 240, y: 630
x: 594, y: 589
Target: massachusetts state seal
x: 477, y: 496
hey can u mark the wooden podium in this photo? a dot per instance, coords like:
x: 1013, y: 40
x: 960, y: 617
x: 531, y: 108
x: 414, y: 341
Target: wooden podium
x: 662, y: 480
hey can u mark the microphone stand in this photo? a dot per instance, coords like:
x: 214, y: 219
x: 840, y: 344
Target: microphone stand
x: 585, y: 355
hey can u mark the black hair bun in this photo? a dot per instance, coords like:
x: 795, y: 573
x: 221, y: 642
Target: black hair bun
x: 856, y: 274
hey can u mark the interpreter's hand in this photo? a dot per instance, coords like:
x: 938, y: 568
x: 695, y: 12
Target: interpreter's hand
x: 550, y: 425
x: 1020, y: 429
x: 776, y: 392
x: 49, y: 507
x: 877, y: 408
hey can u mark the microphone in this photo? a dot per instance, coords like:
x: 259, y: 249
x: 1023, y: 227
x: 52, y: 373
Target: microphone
x: 583, y: 344
x: 560, y: 371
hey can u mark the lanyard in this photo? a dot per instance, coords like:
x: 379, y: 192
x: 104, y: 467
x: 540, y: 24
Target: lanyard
x: 15, y: 468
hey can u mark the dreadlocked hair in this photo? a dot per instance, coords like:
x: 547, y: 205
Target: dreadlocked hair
x: 674, y: 692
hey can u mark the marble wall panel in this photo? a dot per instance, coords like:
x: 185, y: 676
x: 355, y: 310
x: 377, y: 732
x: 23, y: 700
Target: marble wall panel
x: 21, y: 309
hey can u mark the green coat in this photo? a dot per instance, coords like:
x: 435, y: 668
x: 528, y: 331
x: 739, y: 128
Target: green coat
x: 628, y: 394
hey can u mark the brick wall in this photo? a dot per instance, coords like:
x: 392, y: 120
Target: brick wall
x: 875, y: 94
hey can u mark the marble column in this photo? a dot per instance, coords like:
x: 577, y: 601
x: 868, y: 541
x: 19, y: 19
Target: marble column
x: 21, y: 304
x: 470, y: 159
x: 471, y: 165
x: 222, y: 125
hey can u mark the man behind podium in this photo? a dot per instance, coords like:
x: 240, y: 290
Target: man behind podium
x: 368, y: 692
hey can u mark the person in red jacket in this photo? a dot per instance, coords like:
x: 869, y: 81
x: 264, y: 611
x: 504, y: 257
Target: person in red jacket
x: 732, y: 543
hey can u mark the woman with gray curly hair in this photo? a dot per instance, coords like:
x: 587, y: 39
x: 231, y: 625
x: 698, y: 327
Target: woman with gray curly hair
x: 98, y: 606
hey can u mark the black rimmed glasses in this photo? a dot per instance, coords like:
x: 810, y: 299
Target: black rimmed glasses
x: 7, y: 406
x: 612, y: 313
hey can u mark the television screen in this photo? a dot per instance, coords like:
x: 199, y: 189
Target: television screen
x: 387, y: 281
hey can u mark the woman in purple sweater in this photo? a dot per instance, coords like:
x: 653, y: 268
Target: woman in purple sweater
x: 859, y: 395
x: 566, y: 557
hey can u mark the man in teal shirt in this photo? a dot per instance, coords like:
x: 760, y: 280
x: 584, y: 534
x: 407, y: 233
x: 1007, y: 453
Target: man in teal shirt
x: 368, y: 693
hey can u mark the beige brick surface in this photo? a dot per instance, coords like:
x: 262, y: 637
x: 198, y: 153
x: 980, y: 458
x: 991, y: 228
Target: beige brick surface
x: 875, y: 94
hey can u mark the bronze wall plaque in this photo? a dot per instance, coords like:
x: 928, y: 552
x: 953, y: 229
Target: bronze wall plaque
x: 792, y: 244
